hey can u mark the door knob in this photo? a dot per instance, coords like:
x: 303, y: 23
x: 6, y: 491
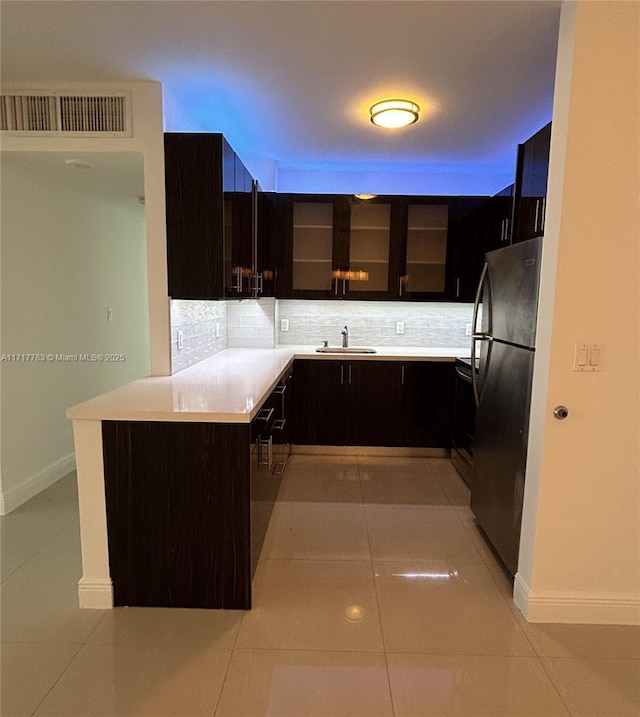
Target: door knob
x: 560, y: 412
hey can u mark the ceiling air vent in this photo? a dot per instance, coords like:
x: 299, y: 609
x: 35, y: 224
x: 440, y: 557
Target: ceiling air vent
x: 62, y: 114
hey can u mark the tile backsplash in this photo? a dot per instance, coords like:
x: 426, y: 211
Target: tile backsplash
x: 197, y: 320
x: 251, y: 323
x: 374, y: 323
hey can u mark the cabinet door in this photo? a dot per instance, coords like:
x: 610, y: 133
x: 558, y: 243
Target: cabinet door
x: 531, y: 185
x: 231, y: 280
x: 374, y: 403
x: 497, y: 215
x: 314, y: 246
x: 466, y: 256
x: 320, y: 407
x: 239, y: 258
x: 426, y: 249
x: 270, y: 244
x: 427, y: 403
x: 370, y: 250
x: 196, y: 216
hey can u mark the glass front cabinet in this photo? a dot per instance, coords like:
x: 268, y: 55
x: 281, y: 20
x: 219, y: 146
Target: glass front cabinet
x: 337, y: 246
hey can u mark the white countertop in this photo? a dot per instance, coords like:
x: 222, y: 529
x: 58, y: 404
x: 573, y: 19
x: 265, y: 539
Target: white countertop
x: 229, y: 387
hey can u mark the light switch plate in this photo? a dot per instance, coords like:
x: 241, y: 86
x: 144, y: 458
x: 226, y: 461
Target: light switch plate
x: 399, y: 327
x: 284, y: 324
x: 180, y: 339
x: 587, y: 357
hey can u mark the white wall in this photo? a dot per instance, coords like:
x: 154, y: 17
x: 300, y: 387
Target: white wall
x: 70, y: 251
x: 148, y: 138
x: 580, y: 548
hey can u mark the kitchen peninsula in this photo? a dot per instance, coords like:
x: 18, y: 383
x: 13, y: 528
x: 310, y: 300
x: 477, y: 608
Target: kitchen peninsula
x: 169, y: 502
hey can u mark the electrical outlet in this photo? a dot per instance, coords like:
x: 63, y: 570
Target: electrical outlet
x: 180, y: 339
x: 284, y: 324
x: 399, y: 327
x: 217, y: 330
x: 467, y: 330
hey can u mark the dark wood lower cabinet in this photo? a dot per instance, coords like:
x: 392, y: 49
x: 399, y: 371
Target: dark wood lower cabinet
x: 188, y: 504
x: 320, y: 412
x: 373, y: 403
x: 178, y: 513
x: 427, y: 403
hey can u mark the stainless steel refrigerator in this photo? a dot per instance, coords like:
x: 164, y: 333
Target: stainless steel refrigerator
x: 508, y: 291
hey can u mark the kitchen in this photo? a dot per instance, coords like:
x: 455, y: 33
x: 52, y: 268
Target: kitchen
x: 613, y: 574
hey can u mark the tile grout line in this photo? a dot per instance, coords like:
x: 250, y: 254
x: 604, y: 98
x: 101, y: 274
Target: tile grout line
x: 375, y: 589
x: 553, y: 683
x: 508, y: 605
x: 226, y: 672
x: 60, y: 676
x: 38, y: 551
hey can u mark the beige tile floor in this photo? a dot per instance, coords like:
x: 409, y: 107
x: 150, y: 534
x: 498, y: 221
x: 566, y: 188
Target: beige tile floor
x: 375, y: 595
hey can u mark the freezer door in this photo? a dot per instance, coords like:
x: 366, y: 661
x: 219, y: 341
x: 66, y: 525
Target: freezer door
x: 500, y: 449
x: 510, y: 299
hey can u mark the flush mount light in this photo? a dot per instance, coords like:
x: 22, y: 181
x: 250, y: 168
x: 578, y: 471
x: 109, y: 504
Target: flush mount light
x: 394, y: 113
x: 365, y: 196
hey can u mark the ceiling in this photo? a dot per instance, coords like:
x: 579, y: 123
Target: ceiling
x: 290, y: 83
x: 114, y: 177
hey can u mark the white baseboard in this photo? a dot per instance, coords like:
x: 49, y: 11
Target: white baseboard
x: 371, y: 451
x: 95, y: 594
x: 576, y: 608
x: 48, y: 476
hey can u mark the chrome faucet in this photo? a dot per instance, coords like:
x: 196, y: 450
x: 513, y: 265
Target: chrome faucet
x: 345, y: 337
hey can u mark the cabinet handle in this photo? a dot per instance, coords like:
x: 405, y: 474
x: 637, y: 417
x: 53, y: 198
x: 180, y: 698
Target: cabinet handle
x: 236, y: 279
x: 402, y: 376
x: 399, y: 286
x: 535, y: 222
x: 506, y: 229
x: 344, y: 287
x: 265, y: 414
x: 335, y: 287
x: 349, y: 373
x: 342, y: 373
x: 502, y: 231
x: 256, y: 280
x: 260, y: 443
x: 269, y: 444
x: 543, y: 213
x: 458, y: 288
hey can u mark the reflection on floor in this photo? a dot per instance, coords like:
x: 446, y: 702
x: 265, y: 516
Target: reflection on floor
x: 375, y: 595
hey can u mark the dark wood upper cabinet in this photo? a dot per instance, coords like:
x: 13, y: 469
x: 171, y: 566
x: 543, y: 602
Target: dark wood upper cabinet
x: 394, y: 248
x: 497, y: 219
x: 209, y: 218
x: 531, y: 186
x: 195, y: 207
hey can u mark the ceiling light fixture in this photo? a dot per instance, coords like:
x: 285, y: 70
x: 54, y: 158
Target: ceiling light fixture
x: 394, y: 113
x: 365, y: 196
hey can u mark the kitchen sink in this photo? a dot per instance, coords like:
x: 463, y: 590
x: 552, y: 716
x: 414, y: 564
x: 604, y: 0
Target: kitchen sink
x: 344, y: 350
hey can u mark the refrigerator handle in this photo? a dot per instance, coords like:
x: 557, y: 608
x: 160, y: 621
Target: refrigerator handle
x: 476, y: 336
x: 476, y: 303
